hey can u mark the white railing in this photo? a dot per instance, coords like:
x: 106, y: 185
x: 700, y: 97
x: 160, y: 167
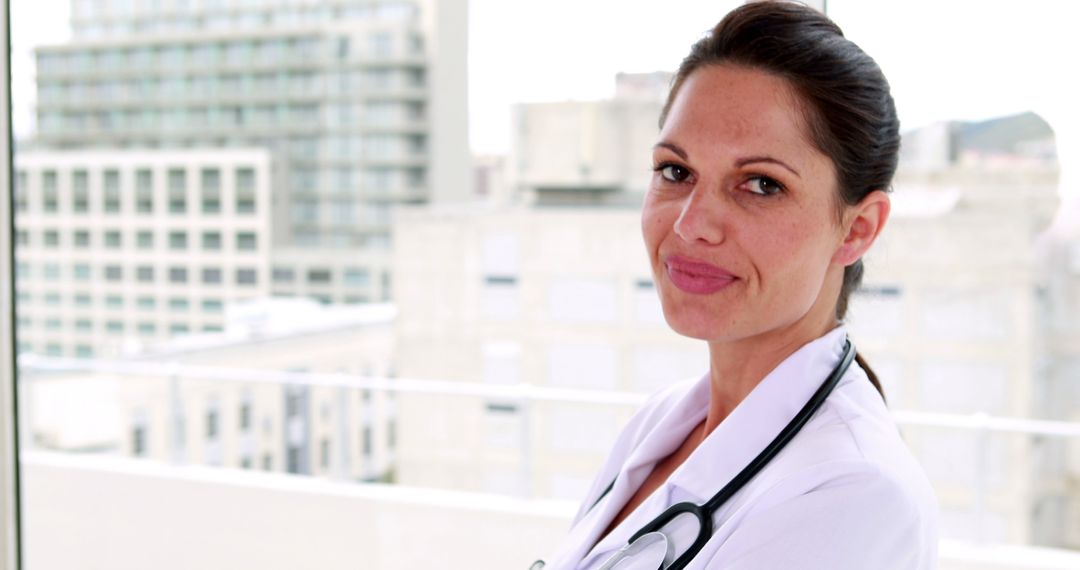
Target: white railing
x: 981, y: 425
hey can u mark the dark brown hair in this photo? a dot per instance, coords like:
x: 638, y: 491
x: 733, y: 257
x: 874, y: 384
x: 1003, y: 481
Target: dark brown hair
x: 845, y: 97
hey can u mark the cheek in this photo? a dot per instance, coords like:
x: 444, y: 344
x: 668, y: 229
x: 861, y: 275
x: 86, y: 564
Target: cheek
x: 654, y: 224
x: 797, y: 252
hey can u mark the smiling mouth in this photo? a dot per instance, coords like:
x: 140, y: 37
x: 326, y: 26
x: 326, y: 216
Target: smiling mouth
x: 697, y: 278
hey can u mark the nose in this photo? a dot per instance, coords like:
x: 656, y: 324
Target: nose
x: 700, y: 218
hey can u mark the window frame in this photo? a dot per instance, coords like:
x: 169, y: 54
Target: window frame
x: 10, y: 539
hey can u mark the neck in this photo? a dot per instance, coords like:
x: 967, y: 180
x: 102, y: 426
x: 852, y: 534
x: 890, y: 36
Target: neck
x: 737, y: 367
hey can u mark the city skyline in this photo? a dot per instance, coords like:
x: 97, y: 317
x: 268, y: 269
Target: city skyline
x: 927, y: 87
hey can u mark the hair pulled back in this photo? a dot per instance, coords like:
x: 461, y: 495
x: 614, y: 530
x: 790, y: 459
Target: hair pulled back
x: 845, y: 98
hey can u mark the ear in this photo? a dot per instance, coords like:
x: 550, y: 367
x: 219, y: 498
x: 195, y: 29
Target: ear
x: 862, y: 223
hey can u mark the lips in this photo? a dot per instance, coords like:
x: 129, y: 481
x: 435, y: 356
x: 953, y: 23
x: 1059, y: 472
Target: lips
x: 697, y: 277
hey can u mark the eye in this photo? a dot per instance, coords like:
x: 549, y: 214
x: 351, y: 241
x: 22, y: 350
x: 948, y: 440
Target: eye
x: 673, y: 172
x: 764, y: 186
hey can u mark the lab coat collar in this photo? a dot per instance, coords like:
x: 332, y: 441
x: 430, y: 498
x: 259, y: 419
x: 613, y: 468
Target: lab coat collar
x: 747, y: 430
x: 755, y: 421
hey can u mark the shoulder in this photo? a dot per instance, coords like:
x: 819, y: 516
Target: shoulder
x: 850, y: 465
x: 842, y: 514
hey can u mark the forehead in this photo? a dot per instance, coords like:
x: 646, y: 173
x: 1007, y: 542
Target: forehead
x: 734, y: 108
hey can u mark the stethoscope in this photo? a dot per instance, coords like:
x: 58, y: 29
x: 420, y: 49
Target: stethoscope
x: 650, y: 549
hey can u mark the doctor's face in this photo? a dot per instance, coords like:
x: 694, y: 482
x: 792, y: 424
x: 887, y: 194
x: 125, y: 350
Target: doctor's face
x: 740, y: 219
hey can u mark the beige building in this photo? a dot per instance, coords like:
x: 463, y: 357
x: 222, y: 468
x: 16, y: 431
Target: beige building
x: 556, y: 299
x: 587, y: 153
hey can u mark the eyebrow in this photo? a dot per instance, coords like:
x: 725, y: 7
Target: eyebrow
x: 754, y: 159
x: 740, y: 162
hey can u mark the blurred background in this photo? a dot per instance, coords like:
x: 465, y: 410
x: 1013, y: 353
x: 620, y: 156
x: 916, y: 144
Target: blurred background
x: 359, y: 283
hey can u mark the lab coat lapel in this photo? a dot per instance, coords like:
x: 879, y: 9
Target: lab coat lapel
x: 758, y: 419
x: 660, y: 442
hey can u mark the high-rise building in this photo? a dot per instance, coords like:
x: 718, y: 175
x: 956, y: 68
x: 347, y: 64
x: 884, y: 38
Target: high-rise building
x: 361, y: 104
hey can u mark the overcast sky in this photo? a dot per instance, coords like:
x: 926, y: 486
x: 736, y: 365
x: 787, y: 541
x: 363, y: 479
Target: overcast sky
x: 964, y: 59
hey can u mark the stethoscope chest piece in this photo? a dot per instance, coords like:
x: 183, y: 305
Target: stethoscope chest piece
x: 649, y: 551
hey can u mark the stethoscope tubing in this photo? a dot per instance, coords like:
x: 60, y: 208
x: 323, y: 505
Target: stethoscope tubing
x: 704, y: 512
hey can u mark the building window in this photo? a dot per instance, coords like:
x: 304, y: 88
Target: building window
x: 144, y: 191
x: 178, y: 305
x: 212, y: 423
x: 82, y: 239
x: 22, y: 238
x: 84, y: 325
x: 211, y: 275
x: 114, y: 302
x: 284, y: 275
x: 111, y: 189
x: 114, y: 327
x: 52, y: 239
x: 144, y: 273
x: 113, y: 239
x: 138, y: 441
x: 179, y: 328
x: 245, y: 241
x: 147, y: 328
x: 52, y: 324
x: 212, y: 306
x: 52, y: 298
x: 211, y: 241
x: 318, y: 276
x: 82, y: 300
x: 114, y: 273
x: 178, y: 241
x: 52, y: 272
x: 245, y: 191
x: 81, y: 272
x: 246, y: 276
x: 20, y: 191
x: 84, y: 351
x: 211, y: 191
x: 324, y: 453
x: 357, y: 277
x: 365, y: 441
x: 146, y: 303
x: 49, y: 191
x: 178, y: 275
x: 80, y: 190
x: 144, y: 239
x: 177, y: 191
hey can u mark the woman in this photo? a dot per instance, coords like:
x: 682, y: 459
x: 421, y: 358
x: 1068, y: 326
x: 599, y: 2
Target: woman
x: 778, y: 143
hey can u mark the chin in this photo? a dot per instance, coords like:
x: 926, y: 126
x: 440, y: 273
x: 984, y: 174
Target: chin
x: 697, y: 324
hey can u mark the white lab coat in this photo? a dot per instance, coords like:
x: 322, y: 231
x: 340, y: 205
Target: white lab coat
x: 845, y: 493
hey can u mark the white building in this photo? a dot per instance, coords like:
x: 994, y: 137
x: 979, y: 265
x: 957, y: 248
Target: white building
x: 118, y: 251
x: 279, y: 389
